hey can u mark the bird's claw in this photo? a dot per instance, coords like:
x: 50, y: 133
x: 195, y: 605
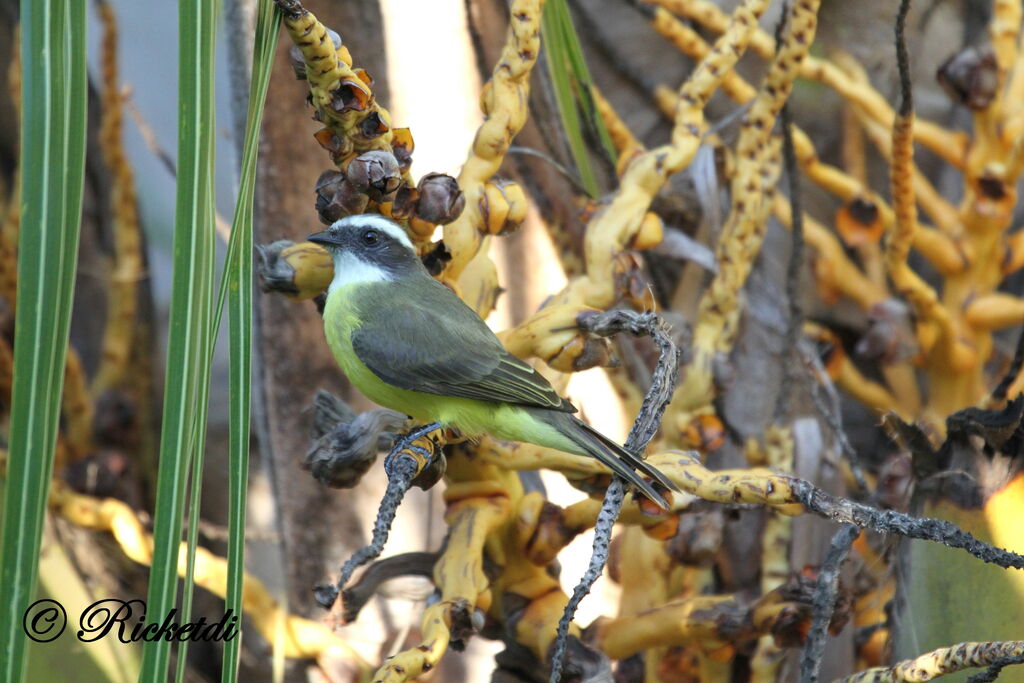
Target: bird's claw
x: 408, y: 443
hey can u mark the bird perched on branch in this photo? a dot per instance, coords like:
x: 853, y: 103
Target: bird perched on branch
x: 409, y: 343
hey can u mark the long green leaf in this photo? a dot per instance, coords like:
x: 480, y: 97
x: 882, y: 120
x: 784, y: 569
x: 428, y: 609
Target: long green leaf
x: 53, y: 59
x: 238, y: 278
x: 582, y: 82
x: 571, y: 84
x: 197, y: 453
x: 191, y: 314
x: 238, y: 271
x: 197, y: 459
x: 557, y: 61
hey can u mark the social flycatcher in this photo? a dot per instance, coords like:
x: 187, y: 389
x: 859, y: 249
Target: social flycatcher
x: 410, y: 344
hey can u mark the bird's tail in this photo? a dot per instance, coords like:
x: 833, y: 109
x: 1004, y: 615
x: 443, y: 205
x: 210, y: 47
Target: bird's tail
x: 621, y: 461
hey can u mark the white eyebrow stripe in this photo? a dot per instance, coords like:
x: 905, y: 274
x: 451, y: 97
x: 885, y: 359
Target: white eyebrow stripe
x: 370, y: 220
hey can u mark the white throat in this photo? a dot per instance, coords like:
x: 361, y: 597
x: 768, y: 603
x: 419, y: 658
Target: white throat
x: 351, y: 270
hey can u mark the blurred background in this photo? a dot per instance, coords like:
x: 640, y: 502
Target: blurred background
x: 428, y: 60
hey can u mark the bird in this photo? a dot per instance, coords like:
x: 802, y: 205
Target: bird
x: 409, y: 343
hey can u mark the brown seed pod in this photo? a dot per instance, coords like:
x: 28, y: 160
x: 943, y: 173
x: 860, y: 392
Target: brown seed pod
x: 350, y: 96
x: 339, y: 148
x: 376, y: 174
x: 971, y: 76
x: 373, y: 126
x: 440, y: 199
x: 502, y: 206
x: 337, y: 198
x: 858, y: 222
x: 404, y: 206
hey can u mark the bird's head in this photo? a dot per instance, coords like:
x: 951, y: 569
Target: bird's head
x: 368, y: 248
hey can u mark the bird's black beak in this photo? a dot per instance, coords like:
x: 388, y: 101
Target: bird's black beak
x: 324, y: 238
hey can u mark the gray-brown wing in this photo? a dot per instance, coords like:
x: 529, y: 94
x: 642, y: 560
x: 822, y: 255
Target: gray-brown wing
x: 409, y: 343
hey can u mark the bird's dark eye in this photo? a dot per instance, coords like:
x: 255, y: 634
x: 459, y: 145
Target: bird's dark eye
x: 370, y: 238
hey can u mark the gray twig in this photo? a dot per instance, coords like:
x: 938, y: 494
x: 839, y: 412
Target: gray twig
x: 663, y: 384
x: 406, y: 564
x: 893, y: 522
x: 903, y: 61
x: 992, y: 672
x: 824, y: 601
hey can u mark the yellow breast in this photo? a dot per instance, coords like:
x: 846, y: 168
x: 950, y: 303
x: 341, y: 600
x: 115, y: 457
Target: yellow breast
x: 473, y: 417
x: 341, y: 318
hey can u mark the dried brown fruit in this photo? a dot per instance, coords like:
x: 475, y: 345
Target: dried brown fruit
x: 971, y: 76
x: 376, y: 174
x: 373, y: 126
x: 337, y: 198
x: 351, y: 96
x: 440, y: 199
x: 404, y: 206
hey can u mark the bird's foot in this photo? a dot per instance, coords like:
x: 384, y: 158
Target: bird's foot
x: 408, y: 443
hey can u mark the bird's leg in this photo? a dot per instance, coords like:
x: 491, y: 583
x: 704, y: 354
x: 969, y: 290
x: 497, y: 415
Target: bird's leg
x: 407, y: 442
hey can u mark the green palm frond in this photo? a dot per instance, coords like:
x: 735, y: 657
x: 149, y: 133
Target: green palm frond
x: 53, y: 58
x: 571, y: 82
x: 191, y: 313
